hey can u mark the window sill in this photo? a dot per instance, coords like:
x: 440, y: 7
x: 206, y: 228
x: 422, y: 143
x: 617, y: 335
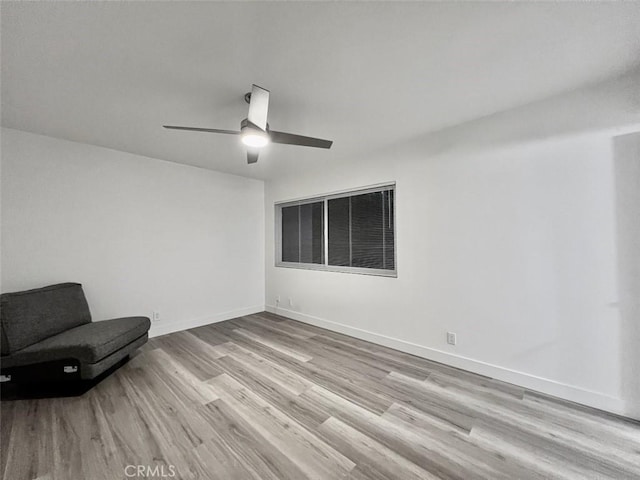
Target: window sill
x: 338, y: 269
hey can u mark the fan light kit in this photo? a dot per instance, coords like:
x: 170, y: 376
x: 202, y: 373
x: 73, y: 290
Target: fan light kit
x: 253, y: 139
x: 254, y: 130
x: 252, y: 136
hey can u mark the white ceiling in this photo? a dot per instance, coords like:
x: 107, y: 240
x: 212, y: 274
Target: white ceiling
x: 366, y: 75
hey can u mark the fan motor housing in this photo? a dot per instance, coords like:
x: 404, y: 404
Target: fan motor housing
x: 245, y: 123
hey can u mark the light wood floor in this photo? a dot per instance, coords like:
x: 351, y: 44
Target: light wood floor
x: 264, y: 397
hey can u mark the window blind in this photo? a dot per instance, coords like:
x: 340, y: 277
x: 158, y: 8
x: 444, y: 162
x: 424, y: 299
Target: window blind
x: 355, y: 231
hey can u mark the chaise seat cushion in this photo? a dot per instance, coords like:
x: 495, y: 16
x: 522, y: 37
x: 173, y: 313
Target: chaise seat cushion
x: 89, y: 343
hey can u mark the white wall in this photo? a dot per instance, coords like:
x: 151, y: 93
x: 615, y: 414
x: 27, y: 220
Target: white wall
x: 140, y: 234
x: 506, y: 235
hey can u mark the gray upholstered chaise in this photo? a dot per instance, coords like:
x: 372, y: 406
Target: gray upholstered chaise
x: 47, y: 334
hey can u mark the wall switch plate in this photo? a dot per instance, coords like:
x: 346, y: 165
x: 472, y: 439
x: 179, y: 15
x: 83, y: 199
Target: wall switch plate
x: 156, y: 316
x: 451, y: 338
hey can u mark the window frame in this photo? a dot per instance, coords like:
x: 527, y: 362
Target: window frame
x: 325, y: 199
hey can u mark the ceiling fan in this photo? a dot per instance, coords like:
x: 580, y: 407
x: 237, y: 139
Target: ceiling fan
x: 254, y: 130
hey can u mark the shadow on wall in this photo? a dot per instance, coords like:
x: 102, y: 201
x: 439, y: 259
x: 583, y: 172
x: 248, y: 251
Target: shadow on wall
x: 627, y: 187
x: 606, y: 105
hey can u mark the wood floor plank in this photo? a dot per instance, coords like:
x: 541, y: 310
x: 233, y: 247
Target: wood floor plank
x: 376, y: 359
x: 350, y: 365
x: 263, y: 397
x: 6, y: 425
x: 278, y: 318
x: 275, y: 321
x: 604, y: 425
x: 359, y: 474
x: 104, y: 433
x: 607, y: 461
x: 372, y: 458
x: 333, y: 375
x: 561, y: 428
x: 246, y: 446
x: 315, y: 458
x: 264, y: 351
x: 265, y: 325
x: 139, y: 432
x: 457, y: 414
x: 169, y: 366
x: 79, y: 431
x: 127, y: 429
x: 194, y: 354
x: 401, y: 362
x: 423, y: 420
x: 220, y: 464
x: 455, y: 440
x: 169, y: 407
x: 416, y: 448
x: 551, y: 463
x: 275, y: 345
x: 480, y: 389
x: 362, y: 392
x: 212, y: 336
x: 292, y: 405
x: 289, y: 403
x: 282, y: 376
x: 32, y: 430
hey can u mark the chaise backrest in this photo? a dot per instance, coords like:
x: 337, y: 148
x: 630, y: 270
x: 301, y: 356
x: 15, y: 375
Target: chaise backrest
x: 32, y: 315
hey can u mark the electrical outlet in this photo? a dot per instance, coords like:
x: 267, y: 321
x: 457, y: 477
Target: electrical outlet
x: 451, y: 338
x: 290, y: 302
x: 156, y: 316
x: 278, y: 300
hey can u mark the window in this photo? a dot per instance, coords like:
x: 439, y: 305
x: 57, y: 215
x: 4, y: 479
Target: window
x: 347, y: 232
x: 302, y: 237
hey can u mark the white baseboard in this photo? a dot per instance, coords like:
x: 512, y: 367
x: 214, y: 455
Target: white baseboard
x: 161, y: 328
x: 550, y: 387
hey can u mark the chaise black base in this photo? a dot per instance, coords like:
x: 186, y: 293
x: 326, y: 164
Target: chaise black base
x: 53, y: 371
x: 32, y: 382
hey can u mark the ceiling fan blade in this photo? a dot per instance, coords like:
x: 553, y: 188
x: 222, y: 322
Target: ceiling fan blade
x: 252, y: 155
x: 258, y: 107
x: 196, y: 129
x: 291, y: 139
